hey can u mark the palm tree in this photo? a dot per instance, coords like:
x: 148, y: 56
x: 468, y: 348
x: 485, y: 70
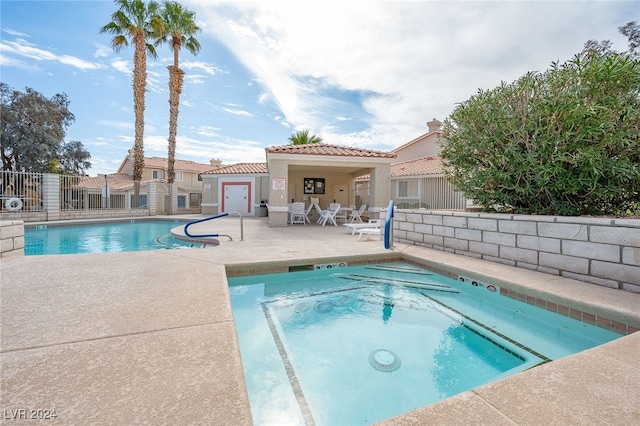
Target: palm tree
x: 134, y: 22
x: 302, y: 137
x: 179, y: 30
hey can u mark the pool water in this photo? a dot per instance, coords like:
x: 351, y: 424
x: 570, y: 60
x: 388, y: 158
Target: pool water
x: 132, y: 235
x: 359, y: 344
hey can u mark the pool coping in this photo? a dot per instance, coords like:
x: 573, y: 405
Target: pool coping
x: 585, y: 307
x: 581, y: 301
x: 56, y: 308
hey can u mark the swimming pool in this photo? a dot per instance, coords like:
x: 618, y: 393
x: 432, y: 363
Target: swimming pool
x: 130, y: 235
x: 359, y: 344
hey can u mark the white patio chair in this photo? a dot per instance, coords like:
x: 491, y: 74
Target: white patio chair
x: 329, y: 215
x: 298, y: 214
x: 353, y: 227
x: 356, y: 215
x: 307, y: 211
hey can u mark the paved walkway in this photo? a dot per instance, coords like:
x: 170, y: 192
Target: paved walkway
x: 148, y: 337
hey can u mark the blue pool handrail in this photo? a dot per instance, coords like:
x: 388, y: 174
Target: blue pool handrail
x: 188, y: 234
x: 388, y: 227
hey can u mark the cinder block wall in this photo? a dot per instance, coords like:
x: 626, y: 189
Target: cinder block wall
x: 602, y: 251
x: 11, y: 238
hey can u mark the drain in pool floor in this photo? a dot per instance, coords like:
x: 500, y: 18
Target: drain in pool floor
x: 384, y: 360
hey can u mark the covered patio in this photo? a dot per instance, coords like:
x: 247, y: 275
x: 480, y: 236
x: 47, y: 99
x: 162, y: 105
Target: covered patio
x: 324, y: 172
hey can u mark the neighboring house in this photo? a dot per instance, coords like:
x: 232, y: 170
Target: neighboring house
x: 417, y: 175
x: 423, y: 146
x: 188, y: 182
x: 422, y: 183
x: 418, y: 179
x: 314, y: 172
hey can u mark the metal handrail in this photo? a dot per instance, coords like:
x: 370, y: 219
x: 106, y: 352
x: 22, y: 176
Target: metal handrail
x: 388, y: 228
x: 186, y: 227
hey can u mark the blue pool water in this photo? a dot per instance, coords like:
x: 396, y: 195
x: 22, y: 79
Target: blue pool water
x: 132, y: 235
x: 359, y: 344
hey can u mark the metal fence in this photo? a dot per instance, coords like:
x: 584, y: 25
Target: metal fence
x: 86, y: 193
x: 433, y: 193
x: 21, y: 191
x: 24, y: 192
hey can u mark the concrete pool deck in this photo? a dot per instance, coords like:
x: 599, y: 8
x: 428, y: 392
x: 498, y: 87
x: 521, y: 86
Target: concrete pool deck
x: 148, y: 337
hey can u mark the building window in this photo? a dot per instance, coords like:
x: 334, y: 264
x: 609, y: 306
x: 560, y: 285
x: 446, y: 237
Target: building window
x: 177, y: 177
x: 407, y: 188
x: 157, y: 174
x: 195, y: 199
x: 182, y: 201
x: 143, y: 201
x: 199, y: 177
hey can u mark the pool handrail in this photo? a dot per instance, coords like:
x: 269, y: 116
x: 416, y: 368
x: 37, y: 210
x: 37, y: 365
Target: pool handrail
x: 186, y: 226
x: 388, y: 227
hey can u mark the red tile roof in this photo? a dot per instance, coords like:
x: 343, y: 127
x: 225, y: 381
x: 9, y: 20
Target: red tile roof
x: 328, y: 150
x: 121, y: 181
x: 181, y: 165
x: 240, y: 168
x: 420, y: 167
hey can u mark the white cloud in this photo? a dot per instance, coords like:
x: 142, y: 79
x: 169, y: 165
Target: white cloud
x: 208, y: 131
x: 117, y: 124
x: 228, y: 150
x: 21, y: 47
x: 122, y: 66
x: 236, y: 111
x: 102, y: 51
x: 404, y: 61
x: 207, y: 68
x: 14, y: 33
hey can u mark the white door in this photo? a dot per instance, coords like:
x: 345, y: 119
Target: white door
x: 341, y: 194
x: 235, y: 197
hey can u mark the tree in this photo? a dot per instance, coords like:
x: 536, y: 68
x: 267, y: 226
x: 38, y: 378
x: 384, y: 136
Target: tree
x: 32, y: 132
x: 179, y: 30
x: 136, y: 22
x: 302, y: 137
x: 632, y: 31
x: 74, y: 159
x: 565, y: 141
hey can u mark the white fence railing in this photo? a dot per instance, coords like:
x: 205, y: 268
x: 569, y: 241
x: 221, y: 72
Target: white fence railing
x: 36, y: 197
x: 86, y: 193
x: 21, y: 191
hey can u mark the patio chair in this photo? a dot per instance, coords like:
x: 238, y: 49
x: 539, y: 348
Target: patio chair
x: 307, y: 211
x: 370, y: 231
x: 298, y: 214
x: 329, y: 215
x: 372, y: 224
x: 356, y: 215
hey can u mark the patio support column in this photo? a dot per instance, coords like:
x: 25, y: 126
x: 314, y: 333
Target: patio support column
x: 380, y: 186
x: 278, y: 195
x: 152, y: 198
x: 173, y: 202
x: 51, y: 195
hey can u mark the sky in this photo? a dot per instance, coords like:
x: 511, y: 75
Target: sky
x: 368, y: 74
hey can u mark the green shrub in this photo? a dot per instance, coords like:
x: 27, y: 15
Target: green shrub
x: 565, y: 142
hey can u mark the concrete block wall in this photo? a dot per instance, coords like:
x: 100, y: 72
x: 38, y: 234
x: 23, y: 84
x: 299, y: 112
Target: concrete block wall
x: 602, y: 251
x: 11, y: 238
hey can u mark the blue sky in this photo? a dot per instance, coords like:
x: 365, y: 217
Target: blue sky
x: 358, y: 73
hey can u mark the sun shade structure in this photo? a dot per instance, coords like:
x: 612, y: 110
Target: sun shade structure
x: 335, y: 166
x: 298, y: 173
